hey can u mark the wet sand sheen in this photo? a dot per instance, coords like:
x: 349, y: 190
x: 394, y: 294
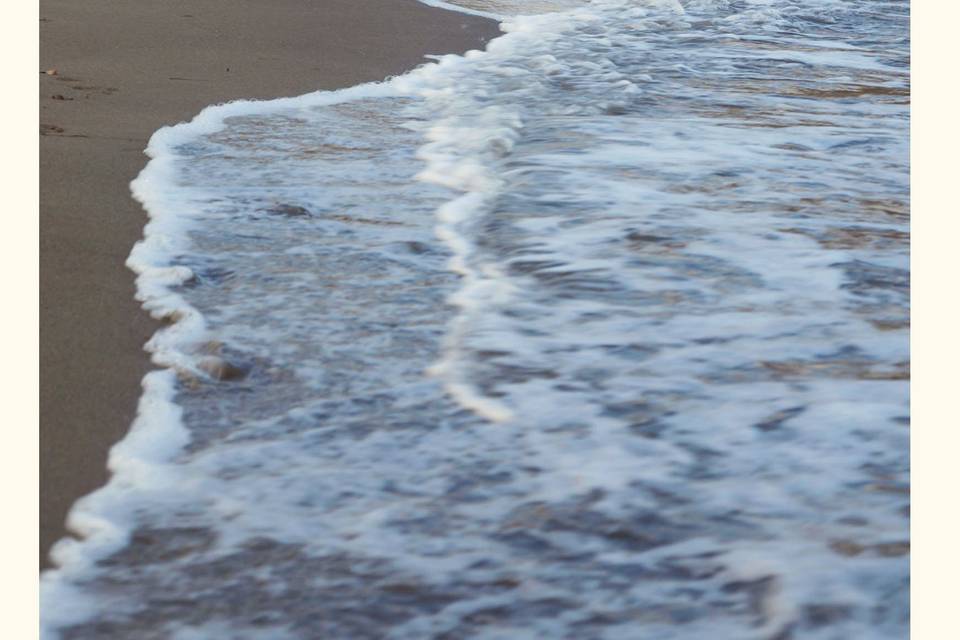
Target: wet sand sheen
x: 123, y: 71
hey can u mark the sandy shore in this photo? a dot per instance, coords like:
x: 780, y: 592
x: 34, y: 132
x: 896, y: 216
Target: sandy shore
x: 122, y: 71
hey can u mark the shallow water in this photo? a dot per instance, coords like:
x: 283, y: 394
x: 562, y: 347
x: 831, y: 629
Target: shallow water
x: 602, y: 333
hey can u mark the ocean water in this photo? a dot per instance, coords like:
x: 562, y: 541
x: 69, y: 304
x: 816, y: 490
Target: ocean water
x: 599, y: 333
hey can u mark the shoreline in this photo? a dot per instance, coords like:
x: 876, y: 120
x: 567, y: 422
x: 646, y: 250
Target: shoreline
x: 122, y: 72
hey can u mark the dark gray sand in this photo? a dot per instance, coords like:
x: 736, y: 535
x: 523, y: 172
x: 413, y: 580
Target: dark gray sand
x: 122, y: 71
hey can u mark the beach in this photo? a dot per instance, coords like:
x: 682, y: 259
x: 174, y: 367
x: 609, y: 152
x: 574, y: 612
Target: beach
x: 112, y: 74
x: 598, y: 330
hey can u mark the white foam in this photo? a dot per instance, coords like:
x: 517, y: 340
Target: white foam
x: 677, y: 289
x: 140, y: 463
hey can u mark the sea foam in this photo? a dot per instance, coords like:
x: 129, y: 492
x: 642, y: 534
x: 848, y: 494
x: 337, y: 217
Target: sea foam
x: 596, y: 333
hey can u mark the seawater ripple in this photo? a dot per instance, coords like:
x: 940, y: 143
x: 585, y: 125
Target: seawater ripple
x: 599, y: 333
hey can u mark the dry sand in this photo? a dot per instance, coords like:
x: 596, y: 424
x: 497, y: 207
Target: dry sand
x: 124, y: 69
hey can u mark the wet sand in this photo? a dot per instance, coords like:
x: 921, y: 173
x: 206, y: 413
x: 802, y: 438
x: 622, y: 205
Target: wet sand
x: 122, y: 71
